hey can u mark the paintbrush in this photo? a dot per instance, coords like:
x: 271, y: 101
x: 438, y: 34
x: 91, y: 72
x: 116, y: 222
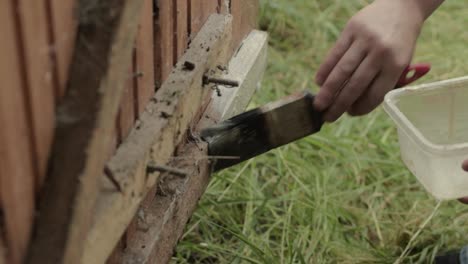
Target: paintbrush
x: 273, y: 125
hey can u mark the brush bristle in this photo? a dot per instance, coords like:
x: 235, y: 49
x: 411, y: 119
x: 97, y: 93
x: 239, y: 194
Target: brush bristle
x: 262, y: 129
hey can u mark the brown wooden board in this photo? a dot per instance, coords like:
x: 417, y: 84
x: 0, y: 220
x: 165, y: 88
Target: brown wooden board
x: 181, y: 21
x: 164, y: 39
x: 63, y: 17
x: 144, y: 71
x: 177, y: 195
x: 39, y: 76
x: 195, y: 16
x: 161, y: 127
x: 85, y: 119
x: 129, y: 103
x: 209, y: 7
x: 245, y: 14
x: 16, y: 165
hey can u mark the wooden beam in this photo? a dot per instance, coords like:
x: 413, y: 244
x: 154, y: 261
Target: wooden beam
x: 85, y: 119
x: 164, y: 220
x: 157, y: 133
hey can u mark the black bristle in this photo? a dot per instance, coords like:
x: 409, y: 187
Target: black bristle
x: 255, y: 132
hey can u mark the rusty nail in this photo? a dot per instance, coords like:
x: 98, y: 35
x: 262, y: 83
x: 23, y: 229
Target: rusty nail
x: 221, y: 81
x: 151, y: 168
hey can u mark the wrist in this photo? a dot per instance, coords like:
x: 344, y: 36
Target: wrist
x: 422, y: 8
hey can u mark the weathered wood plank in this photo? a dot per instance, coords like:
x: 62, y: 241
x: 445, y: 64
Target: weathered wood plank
x: 181, y: 21
x: 209, y: 7
x: 195, y: 16
x: 159, y: 130
x: 16, y: 165
x: 245, y: 14
x: 64, y: 22
x: 126, y: 117
x: 145, y: 57
x: 85, y: 120
x: 177, y: 196
x: 164, y: 39
x: 246, y: 67
x: 223, y: 6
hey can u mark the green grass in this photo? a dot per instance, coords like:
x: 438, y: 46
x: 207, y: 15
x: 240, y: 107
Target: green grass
x: 340, y: 196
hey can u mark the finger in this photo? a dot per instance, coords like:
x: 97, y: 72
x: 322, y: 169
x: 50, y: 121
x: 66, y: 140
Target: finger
x: 371, y: 98
x: 353, y: 89
x: 465, y: 165
x: 339, y: 75
x: 333, y: 57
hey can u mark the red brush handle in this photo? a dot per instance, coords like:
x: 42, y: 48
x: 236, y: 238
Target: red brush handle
x: 413, y: 73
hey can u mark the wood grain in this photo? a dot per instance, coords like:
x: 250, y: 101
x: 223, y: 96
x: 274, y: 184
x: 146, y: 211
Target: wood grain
x: 161, y: 128
x: 16, y: 164
x: 85, y: 118
x: 39, y: 80
x: 177, y: 197
x: 128, y: 103
x: 245, y: 14
x: 209, y: 7
x: 145, y: 57
x: 164, y: 40
x: 181, y: 21
x: 196, y: 17
x: 64, y: 25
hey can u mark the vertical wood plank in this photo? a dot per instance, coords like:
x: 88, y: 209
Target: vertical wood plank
x: 199, y: 13
x: 164, y: 40
x: 181, y: 21
x: 245, y: 14
x: 196, y: 17
x: 16, y: 169
x: 145, y: 57
x: 128, y: 103
x: 64, y: 26
x: 34, y: 36
x: 209, y: 7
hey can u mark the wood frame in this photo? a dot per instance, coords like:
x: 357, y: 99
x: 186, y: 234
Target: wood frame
x: 84, y: 122
x: 159, y: 130
x: 99, y: 61
x: 162, y: 223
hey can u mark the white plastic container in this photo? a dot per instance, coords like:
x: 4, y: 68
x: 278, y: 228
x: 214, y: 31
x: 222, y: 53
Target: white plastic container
x: 432, y: 121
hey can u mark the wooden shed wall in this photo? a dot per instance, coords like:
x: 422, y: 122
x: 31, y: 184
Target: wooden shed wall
x: 36, y: 51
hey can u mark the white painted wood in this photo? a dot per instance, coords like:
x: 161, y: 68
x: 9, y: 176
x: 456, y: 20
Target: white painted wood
x: 247, y: 66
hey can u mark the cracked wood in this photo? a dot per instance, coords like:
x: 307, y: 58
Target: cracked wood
x: 160, y: 129
x: 85, y: 119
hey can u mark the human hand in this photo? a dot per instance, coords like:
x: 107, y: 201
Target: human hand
x: 368, y: 58
x: 465, y: 167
